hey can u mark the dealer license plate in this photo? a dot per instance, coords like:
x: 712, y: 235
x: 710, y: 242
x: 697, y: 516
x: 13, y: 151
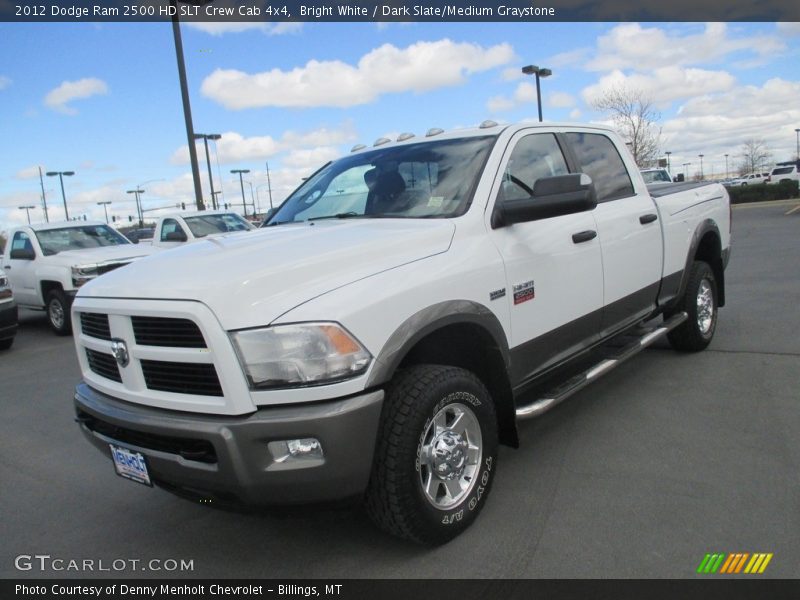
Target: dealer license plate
x: 130, y: 465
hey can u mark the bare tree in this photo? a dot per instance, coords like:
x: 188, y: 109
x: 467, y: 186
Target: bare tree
x: 754, y: 156
x: 636, y: 120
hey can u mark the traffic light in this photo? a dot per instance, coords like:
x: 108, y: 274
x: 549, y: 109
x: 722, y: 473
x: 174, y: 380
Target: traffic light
x: 130, y: 218
x: 113, y: 218
x: 183, y: 205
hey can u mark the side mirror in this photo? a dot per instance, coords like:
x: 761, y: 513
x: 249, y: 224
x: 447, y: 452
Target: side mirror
x: 552, y: 197
x: 176, y: 236
x: 22, y: 254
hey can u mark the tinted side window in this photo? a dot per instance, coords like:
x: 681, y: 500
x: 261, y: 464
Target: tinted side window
x: 168, y: 227
x: 598, y: 158
x: 535, y: 156
x: 21, y: 241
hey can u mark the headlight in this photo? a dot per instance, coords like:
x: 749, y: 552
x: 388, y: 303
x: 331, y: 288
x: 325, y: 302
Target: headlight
x: 5, y: 291
x: 299, y: 354
x: 83, y: 273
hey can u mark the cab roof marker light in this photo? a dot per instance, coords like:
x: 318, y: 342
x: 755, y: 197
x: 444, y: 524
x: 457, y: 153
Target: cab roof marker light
x: 487, y: 124
x: 381, y: 141
x: 357, y: 147
x: 434, y: 131
x: 404, y: 136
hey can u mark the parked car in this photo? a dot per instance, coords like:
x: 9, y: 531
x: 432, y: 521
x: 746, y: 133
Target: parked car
x: 656, y: 176
x: 145, y: 234
x: 179, y: 228
x: 751, y: 179
x: 784, y: 172
x: 8, y: 314
x: 383, y: 333
x: 47, y: 263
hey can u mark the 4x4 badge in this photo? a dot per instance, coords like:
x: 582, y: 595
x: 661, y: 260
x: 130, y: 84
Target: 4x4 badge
x: 120, y: 351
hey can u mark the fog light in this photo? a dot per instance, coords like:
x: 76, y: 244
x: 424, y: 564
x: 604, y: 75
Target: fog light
x: 296, y: 450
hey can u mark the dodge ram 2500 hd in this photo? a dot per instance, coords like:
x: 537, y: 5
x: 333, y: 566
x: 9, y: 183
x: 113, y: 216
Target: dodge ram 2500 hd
x: 47, y: 263
x: 402, y: 310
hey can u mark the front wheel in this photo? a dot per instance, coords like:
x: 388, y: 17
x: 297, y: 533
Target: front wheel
x: 699, y: 301
x: 58, y: 306
x: 436, y: 454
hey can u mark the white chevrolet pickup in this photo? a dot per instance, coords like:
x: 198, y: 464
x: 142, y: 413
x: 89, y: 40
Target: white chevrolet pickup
x: 179, y: 228
x: 402, y: 310
x: 47, y: 263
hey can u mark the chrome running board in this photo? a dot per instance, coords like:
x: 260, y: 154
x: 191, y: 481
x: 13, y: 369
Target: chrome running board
x: 577, y: 383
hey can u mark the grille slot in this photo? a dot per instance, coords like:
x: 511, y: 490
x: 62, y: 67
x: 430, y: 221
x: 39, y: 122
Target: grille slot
x: 190, y: 449
x: 104, y: 365
x: 181, y: 378
x: 171, y: 333
x: 95, y: 325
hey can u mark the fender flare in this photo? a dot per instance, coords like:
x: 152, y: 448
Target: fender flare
x: 706, y: 226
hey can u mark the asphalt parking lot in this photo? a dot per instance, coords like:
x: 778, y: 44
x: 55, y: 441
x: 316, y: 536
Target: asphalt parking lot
x: 640, y: 475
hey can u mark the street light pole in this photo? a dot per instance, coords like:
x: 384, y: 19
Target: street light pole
x: 241, y: 182
x: 27, y: 212
x: 105, y: 204
x: 205, y: 137
x: 669, y: 168
x: 269, y: 187
x: 701, y: 166
x: 61, y: 178
x: 686, y: 170
x: 539, y: 72
x: 44, y: 197
x: 797, y: 132
x: 726, y: 166
x: 136, y: 193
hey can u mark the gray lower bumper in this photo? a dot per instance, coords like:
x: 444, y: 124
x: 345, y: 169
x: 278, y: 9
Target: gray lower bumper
x: 227, y: 457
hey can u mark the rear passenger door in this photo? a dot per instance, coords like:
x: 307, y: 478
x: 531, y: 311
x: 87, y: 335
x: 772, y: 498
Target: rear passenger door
x: 554, y: 273
x: 628, y: 230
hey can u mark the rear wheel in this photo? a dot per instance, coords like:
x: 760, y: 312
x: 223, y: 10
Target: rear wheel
x: 436, y: 454
x: 58, y: 312
x: 699, y: 301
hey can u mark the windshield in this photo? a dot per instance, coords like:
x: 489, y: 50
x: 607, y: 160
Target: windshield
x: 423, y: 180
x: 203, y: 225
x: 54, y: 241
x: 656, y: 177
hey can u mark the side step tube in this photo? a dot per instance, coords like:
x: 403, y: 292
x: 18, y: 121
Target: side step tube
x: 580, y: 381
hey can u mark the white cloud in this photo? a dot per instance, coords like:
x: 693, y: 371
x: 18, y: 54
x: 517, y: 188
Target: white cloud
x: 575, y: 114
x: 789, y: 29
x: 631, y: 46
x: 58, y: 98
x: 4, y: 82
x: 221, y: 28
x: 512, y: 74
x: 234, y: 147
x: 384, y: 70
x: 497, y: 104
x: 560, y: 100
x: 664, y: 84
x: 310, y: 158
x: 28, y: 172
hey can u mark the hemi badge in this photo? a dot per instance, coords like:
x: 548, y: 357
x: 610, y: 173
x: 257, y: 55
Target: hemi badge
x: 524, y: 292
x: 497, y: 294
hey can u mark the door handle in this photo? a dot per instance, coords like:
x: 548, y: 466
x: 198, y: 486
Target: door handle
x: 584, y: 236
x: 648, y: 218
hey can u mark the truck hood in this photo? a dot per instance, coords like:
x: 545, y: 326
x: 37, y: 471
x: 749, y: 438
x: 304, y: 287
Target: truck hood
x: 121, y: 253
x: 250, y: 280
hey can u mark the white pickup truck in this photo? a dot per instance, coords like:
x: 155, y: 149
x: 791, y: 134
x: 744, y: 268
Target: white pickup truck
x: 47, y: 263
x: 179, y: 228
x: 401, y: 312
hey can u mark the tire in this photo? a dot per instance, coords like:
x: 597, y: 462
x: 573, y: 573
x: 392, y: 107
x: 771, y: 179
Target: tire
x: 58, y: 315
x: 405, y: 496
x: 6, y: 343
x: 700, y: 302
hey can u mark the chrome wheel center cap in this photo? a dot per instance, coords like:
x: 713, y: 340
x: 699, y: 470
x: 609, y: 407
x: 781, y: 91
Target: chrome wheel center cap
x: 448, y: 455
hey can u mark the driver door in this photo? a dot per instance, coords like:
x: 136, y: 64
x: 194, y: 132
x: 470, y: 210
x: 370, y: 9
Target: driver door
x: 22, y: 272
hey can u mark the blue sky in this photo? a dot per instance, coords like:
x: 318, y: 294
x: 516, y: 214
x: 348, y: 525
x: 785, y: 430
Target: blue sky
x: 103, y: 99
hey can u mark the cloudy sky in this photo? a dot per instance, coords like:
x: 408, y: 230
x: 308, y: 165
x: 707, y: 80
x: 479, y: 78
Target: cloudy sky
x: 104, y: 100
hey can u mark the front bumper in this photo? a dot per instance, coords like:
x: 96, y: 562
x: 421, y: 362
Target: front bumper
x: 226, y: 458
x: 8, y: 320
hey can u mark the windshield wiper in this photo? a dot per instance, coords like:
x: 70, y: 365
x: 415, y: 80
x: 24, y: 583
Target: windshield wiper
x: 346, y: 215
